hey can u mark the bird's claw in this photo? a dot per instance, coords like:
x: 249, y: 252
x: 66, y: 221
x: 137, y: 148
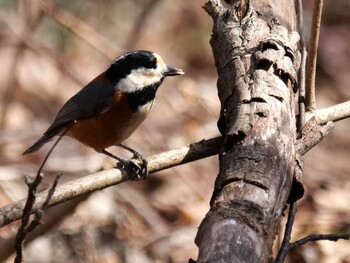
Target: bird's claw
x: 140, y: 167
x: 141, y: 162
x: 136, y: 167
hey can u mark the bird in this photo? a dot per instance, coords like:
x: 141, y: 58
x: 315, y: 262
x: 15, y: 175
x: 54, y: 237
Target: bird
x: 109, y: 109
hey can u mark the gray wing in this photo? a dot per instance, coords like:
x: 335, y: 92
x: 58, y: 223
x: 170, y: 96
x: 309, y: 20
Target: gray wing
x: 94, y: 99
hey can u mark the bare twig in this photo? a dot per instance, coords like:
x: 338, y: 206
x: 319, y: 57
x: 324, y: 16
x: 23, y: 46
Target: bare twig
x: 27, y: 227
x: 311, y: 134
x: 312, y: 56
x: 301, y: 101
x: 282, y: 253
x: 333, y: 113
x: 52, y: 217
x: 195, y: 151
x: 317, y: 237
x: 106, y: 178
x: 286, y: 246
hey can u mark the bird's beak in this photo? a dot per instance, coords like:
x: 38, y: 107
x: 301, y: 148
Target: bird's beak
x: 171, y: 71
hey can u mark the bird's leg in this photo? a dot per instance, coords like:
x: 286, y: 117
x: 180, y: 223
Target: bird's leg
x: 131, y: 167
x: 137, y: 158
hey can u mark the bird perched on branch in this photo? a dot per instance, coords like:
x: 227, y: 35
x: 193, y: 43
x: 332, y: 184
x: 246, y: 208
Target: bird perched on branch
x: 109, y: 109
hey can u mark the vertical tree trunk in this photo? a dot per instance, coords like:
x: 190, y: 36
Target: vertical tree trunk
x: 257, y: 59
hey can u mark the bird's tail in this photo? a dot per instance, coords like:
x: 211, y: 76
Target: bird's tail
x: 48, y: 136
x: 39, y: 143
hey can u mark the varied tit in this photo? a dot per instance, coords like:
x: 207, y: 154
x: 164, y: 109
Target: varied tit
x: 109, y: 109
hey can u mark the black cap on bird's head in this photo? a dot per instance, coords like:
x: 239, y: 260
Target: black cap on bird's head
x: 141, y: 66
x: 136, y: 59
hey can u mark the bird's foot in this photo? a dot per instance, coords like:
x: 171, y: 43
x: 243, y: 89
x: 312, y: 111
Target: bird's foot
x: 138, y: 162
x: 135, y: 167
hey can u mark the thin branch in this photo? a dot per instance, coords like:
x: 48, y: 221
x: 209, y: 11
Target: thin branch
x: 39, y: 213
x: 282, y: 253
x: 196, y: 151
x: 193, y: 152
x: 53, y: 217
x: 301, y: 100
x: 311, y: 134
x: 312, y: 57
x: 317, y: 237
x: 319, y: 124
x: 27, y: 227
x: 106, y: 178
x: 286, y: 246
x: 334, y: 113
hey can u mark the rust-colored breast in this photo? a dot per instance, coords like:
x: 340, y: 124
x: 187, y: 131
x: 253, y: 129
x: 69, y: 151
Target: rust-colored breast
x: 106, y: 129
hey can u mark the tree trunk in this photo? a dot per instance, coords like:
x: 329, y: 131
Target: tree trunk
x: 257, y: 59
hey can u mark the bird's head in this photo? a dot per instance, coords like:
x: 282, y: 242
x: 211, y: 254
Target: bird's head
x: 139, y: 69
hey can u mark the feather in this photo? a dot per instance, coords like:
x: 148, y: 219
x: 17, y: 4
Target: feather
x: 94, y: 99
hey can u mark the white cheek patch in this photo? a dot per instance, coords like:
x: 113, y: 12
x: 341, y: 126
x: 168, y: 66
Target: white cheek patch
x: 140, y: 78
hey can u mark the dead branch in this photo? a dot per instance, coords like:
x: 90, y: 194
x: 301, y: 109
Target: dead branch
x: 317, y: 237
x: 27, y: 226
x: 103, y: 179
x: 51, y: 218
x: 286, y: 246
x: 312, y: 56
x: 283, y: 251
x: 193, y: 152
x: 302, y: 73
x: 312, y: 134
x: 333, y: 113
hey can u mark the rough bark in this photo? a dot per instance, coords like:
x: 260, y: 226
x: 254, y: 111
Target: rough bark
x: 256, y: 55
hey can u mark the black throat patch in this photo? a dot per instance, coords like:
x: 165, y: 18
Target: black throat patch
x: 141, y: 97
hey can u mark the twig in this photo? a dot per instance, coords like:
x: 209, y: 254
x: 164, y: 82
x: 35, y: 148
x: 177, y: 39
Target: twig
x: 25, y: 227
x: 311, y: 134
x: 196, y: 151
x: 106, y: 178
x: 316, y: 237
x: 301, y: 100
x: 282, y: 253
x: 334, y: 113
x: 193, y: 152
x: 286, y: 246
x: 312, y: 56
x: 52, y: 217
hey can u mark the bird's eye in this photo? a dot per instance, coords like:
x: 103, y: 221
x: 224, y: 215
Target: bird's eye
x: 151, y: 63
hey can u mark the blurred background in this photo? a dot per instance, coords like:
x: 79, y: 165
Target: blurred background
x: 50, y: 49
